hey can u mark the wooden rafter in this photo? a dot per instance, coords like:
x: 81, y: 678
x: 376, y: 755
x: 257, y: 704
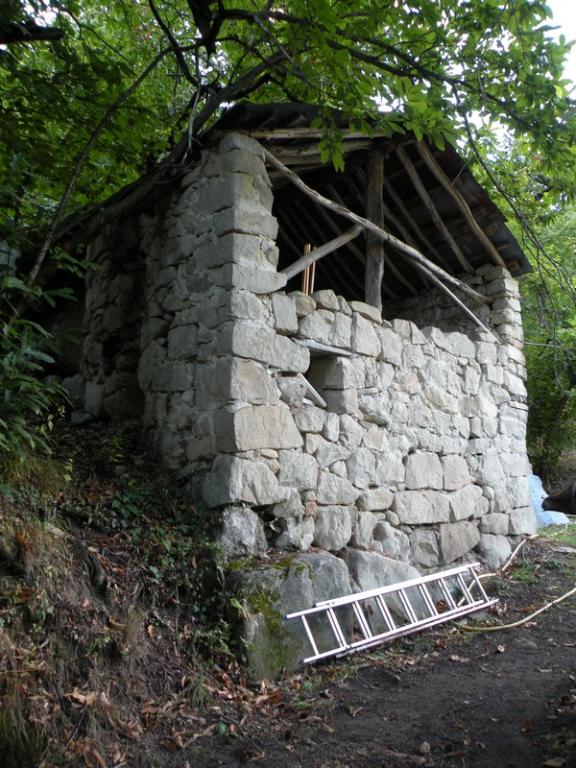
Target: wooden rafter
x: 463, y: 206
x: 431, y: 208
x: 433, y: 271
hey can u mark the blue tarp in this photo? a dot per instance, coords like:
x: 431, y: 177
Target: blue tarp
x: 544, y: 517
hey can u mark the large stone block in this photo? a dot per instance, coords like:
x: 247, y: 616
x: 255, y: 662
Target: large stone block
x: 371, y: 570
x: 495, y: 550
x: 242, y: 533
x: 522, y: 521
x: 457, y: 539
x: 423, y: 470
x: 495, y: 523
x: 297, y: 470
x: 467, y: 502
x: 232, y: 479
x: 376, y: 499
x: 425, y: 549
x: 364, y: 339
x: 456, y: 474
x: 391, y: 345
x: 362, y: 529
x: 333, y: 527
x: 335, y: 490
x: 285, y: 319
x: 255, y: 342
x: 394, y: 543
x: 249, y: 278
x: 233, y: 378
x: 310, y: 418
x: 297, y: 533
x: 337, y: 373
x: 421, y: 507
x: 258, y: 426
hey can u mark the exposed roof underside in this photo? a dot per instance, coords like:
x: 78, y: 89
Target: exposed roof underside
x: 284, y: 129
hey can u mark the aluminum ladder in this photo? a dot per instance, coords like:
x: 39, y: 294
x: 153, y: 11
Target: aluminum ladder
x: 352, y: 623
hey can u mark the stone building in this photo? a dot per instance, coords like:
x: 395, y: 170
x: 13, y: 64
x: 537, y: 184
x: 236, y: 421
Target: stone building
x: 366, y: 440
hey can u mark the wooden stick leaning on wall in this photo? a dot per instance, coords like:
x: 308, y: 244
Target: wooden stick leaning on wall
x: 310, y: 257
x: 454, y: 193
x: 417, y: 258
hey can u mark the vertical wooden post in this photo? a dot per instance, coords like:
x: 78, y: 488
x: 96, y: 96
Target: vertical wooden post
x: 374, y: 244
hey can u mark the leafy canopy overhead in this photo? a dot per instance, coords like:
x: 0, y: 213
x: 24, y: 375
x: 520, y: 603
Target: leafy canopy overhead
x: 120, y: 82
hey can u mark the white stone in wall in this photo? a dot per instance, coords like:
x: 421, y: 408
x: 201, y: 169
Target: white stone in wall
x: 421, y: 507
x: 326, y: 299
x: 297, y: 470
x: 291, y: 507
x: 375, y: 408
x: 522, y: 521
x: 303, y: 303
x: 331, y: 429
x: 495, y: 523
x: 232, y: 479
x: 335, y: 490
x: 248, y: 221
x: 259, y: 281
x: 234, y: 379
x: 390, y: 469
x: 375, y: 499
x: 456, y: 473
x: 317, y: 326
x: 494, y: 549
x: 515, y: 464
x: 257, y: 343
x: 423, y: 470
x: 514, y: 385
x: 292, y: 390
x: 486, y: 352
x: 413, y: 357
x: 394, y: 543
x: 362, y: 528
x: 364, y: 338
x: 310, y: 418
x: 439, y: 398
x: 258, y: 426
x: 339, y: 468
x: 466, y: 502
x: 424, y: 548
x: 367, y: 311
x: 376, y: 438
x: 297, y: 534
x: 391, y: 346
x: 371, y: 570
x: 327, y: 453
x: 285, y: 317
x: 363, y: 469
x: 457, y: 539
x: 333, y: 527
x: 242, y: 533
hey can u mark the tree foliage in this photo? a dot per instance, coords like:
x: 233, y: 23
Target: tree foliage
x: 423, y: 66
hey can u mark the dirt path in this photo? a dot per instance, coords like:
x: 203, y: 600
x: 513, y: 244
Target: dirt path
x: 445, y: 698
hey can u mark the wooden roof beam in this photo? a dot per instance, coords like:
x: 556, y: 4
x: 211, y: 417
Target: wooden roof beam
x: 461, y: 203
x: 431, y: 208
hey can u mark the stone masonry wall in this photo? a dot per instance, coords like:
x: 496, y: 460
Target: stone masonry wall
x: 420, y: 453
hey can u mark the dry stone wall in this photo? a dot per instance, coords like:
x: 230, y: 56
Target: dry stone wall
x: 419, y: 455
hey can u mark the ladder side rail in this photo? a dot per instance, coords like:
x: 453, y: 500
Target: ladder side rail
x: 395, y: 587
x: 479, y: 585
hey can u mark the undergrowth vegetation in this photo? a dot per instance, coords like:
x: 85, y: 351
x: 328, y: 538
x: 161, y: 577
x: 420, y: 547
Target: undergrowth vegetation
x: 114, y: 614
